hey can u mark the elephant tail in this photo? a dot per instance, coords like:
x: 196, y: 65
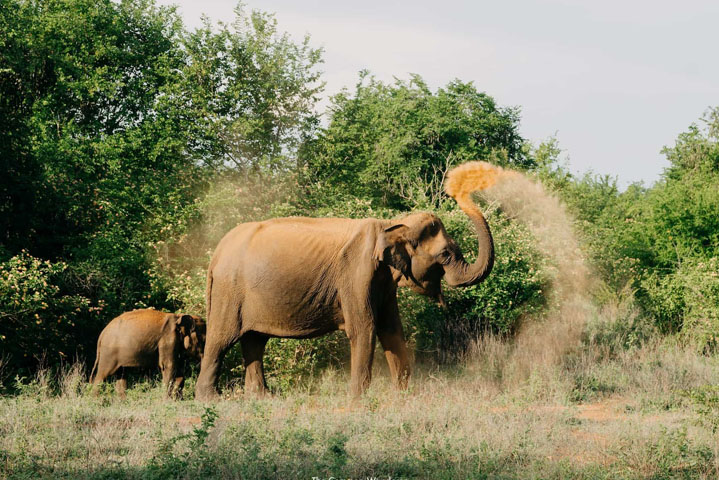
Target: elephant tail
x: 208, y: 294
x: 97, y: 360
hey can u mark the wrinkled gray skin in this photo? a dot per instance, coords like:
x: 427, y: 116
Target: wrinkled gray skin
x: 148, y: 338
x: 305, y: 277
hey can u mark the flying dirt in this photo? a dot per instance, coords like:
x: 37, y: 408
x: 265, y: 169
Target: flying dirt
x: 541, y: 341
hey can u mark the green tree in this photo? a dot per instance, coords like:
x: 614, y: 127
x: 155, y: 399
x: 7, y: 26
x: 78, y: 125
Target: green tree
x: 674, y: 233
x: 113, y: 120
x: 662, y: 242
x: 256, y: 89
x: 93, y: 146
x: 385, y: 141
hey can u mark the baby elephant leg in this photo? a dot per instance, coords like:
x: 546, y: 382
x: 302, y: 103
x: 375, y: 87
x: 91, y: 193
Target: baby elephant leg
x: 168, y: 378
x: 175, y: 390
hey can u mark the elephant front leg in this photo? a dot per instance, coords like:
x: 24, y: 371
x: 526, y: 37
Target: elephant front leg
x: 171, y: 365
x: 176, y: 388
x: 168, y: 378
x: 391, y: 337
x: 362, y: 346
x: 395, y: 350
x: 177, y: 379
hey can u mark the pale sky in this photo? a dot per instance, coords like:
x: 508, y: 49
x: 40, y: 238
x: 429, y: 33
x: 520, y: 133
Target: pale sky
x: 614, y: 80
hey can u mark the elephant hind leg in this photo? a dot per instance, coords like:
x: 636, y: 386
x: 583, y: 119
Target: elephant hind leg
x: 105, y: 368
x: 121, y: 385
x: 223, y: 331
x: 253, y: 349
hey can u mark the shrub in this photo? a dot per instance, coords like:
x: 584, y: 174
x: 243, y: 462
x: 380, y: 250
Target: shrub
x: 38, y: 318
x: 689, y: 296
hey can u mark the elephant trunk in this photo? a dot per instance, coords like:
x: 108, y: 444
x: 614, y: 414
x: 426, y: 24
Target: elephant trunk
x: 459, y: 273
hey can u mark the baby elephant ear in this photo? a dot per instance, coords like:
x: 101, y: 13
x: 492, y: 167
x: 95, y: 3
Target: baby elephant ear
x: 185, y: 324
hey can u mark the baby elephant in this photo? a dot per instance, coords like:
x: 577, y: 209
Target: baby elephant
x: 145, y: 338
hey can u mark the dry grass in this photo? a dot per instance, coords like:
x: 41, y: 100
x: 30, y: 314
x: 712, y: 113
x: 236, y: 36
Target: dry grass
x: 587, y: 416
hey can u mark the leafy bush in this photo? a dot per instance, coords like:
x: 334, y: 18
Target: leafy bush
x: 38, y: 316
x: 690, y: 298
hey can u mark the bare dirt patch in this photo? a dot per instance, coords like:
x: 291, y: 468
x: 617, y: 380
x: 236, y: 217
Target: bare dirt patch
x: 603, y: 411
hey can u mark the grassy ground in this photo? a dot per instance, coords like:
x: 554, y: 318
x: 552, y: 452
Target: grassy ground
x: 644, y: 412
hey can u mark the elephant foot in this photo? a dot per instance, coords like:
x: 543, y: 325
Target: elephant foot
x: 206, y: 394
x: 121, y: 388
x: 259, y: 392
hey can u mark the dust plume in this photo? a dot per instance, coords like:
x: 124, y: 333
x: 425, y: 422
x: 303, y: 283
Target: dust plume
x: 470, y: 177
x: 180, y: 259
x: 541, y: 342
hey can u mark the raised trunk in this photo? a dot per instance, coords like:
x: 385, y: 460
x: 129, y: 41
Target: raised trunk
x: 459, y: 273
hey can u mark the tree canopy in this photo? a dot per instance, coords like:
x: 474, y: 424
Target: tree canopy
x: 381, y: 139
x: 113, y: 118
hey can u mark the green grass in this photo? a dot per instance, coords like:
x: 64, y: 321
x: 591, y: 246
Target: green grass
x: 593, y: 416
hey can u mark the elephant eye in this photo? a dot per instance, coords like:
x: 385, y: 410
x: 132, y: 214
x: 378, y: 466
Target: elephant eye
x: 444, y: 257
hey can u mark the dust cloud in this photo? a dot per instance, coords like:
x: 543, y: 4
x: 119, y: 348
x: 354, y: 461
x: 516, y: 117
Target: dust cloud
x: 540, y: 342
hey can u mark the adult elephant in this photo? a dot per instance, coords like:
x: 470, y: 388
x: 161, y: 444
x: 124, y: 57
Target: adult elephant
x: 305, y: 277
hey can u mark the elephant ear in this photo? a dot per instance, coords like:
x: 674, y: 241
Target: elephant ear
x: 199, y: 325
x: 394, y: 249
x: 184, y: 325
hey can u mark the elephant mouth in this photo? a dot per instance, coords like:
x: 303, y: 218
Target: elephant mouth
x: 432, y: 290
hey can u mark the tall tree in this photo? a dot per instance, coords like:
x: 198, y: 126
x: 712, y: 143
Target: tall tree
x: 257, y: 90
x: 382, y: 138
x: 113, y: 120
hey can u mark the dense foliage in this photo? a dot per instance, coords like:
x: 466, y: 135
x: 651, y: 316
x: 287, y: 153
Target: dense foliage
x: 113, y: 120
x: 386, y: 143
x: 660, y: 243
x: 131, y: 145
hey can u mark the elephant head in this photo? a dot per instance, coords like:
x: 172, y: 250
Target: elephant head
x: 422, y: 253
x: 192, y: 331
